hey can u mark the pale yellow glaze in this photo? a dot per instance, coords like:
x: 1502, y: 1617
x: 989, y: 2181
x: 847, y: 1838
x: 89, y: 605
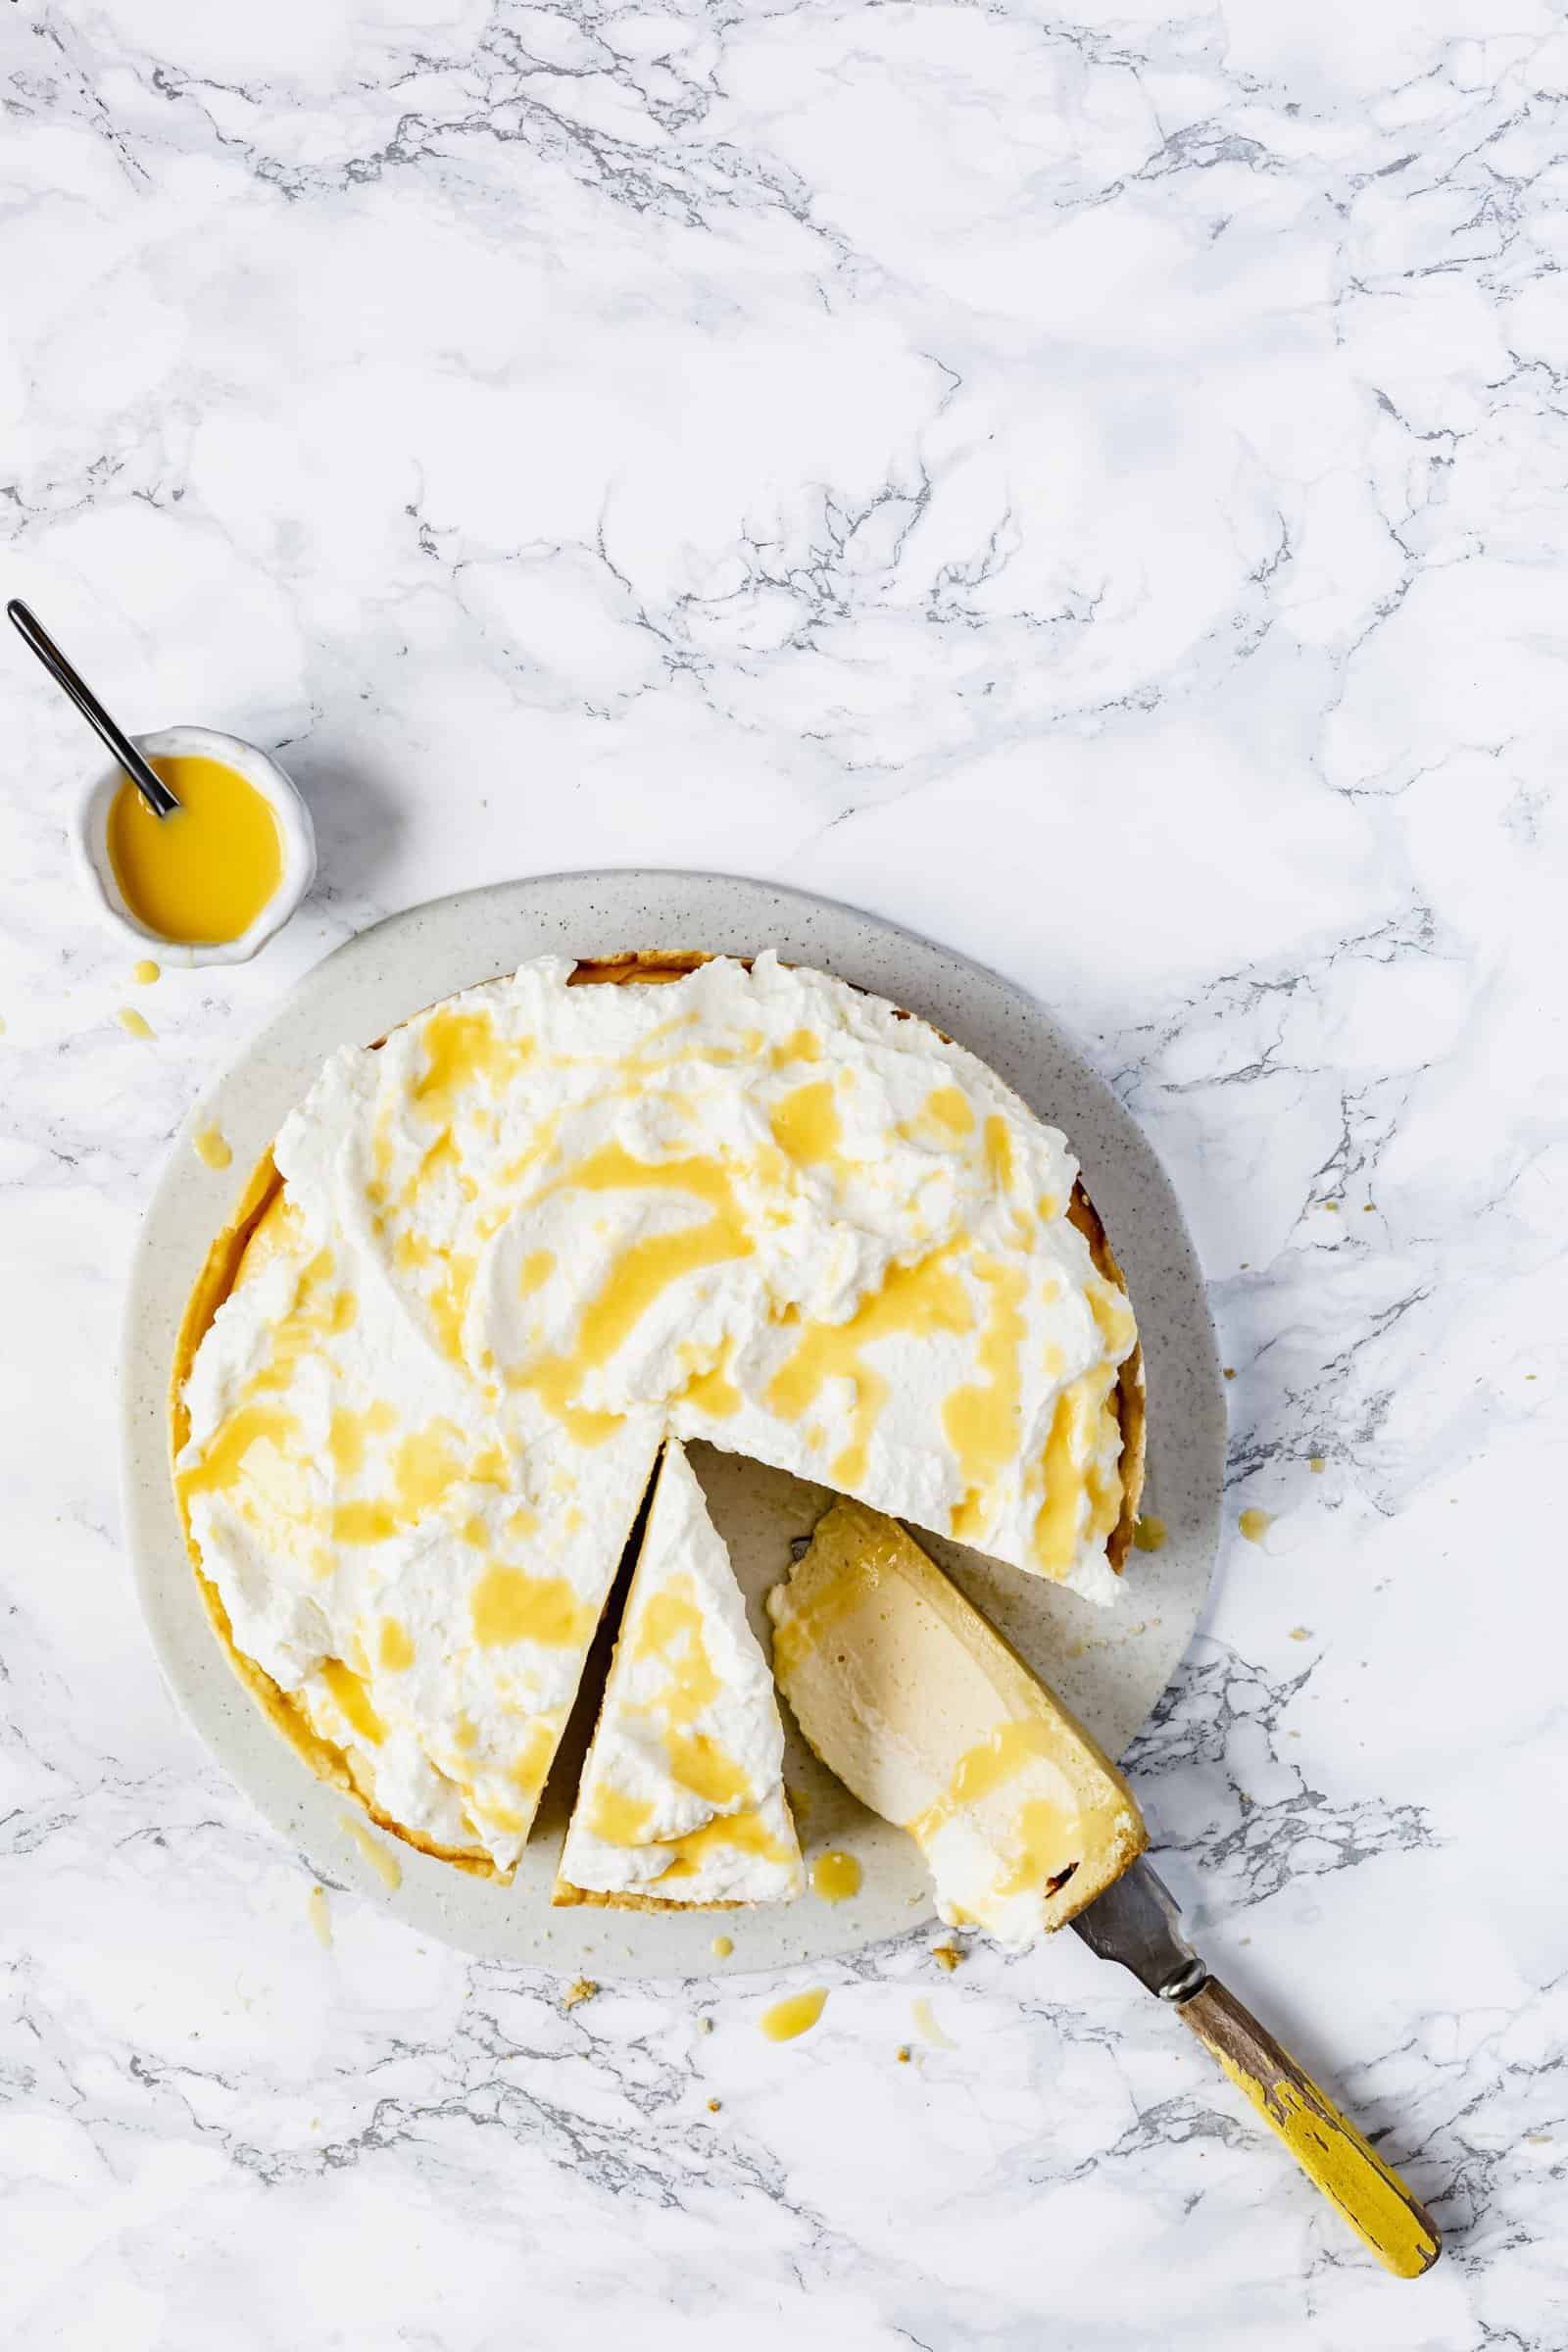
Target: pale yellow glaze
x: 796, y: 2014
x: 321, y: 1917
x: 926, y: 1296
x: 925, y: 2021
x: 999, y: 1757
x: 980, y: 1419
x: 510, y: 1605
x: 741, y: 1832
x: 835, y: 1876
x: 805, y: 1125
x: 385, y: 1864
x: 645, y: 1269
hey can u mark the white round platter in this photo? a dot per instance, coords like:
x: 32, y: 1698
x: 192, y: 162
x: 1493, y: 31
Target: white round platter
x: 1110, y: 1665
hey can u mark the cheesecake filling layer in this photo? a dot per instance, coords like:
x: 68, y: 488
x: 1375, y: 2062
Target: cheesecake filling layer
x: 928, y: 1716
x: 542, y: 1227
x: 682, y: 1797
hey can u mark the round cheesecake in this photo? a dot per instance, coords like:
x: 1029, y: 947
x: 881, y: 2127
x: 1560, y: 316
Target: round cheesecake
x: 492, y: 1263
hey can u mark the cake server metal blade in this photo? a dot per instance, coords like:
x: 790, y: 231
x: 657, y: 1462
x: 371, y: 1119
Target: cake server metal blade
x: 1136, y: 1921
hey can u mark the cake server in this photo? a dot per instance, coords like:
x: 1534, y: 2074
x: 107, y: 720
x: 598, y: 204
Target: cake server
x: 849, y: 1701
x: 1135, y: 1921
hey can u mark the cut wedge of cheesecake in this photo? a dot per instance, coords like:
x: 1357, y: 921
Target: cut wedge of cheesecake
x: 932, y: 1720
x: 681, y: 1803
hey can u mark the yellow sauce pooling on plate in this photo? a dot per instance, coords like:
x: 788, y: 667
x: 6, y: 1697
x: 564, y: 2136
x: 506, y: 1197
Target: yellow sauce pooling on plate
x: 835, y: 1876
x: 200, y: 876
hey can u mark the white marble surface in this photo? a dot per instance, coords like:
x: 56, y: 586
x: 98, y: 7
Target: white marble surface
x: 1089, y: 485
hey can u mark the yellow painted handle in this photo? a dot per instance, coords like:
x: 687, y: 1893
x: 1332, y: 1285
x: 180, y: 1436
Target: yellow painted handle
x: 1327, y: 2146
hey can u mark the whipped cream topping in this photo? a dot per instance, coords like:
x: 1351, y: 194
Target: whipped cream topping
x: 543, y: 1226
x: 682, y: 1797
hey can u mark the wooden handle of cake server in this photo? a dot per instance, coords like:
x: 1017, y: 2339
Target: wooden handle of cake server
x: 1327, y: 2146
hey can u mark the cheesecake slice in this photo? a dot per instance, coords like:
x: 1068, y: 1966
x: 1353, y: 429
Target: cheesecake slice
x: 681, y: 1803
x: 932, y: 1720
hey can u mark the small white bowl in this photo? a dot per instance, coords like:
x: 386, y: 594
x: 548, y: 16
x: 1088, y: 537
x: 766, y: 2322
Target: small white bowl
x: 259, y: 770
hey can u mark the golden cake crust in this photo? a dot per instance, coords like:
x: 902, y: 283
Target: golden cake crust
x: 566, y: 1898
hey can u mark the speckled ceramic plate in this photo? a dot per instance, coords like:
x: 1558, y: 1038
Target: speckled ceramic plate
x: 1110, y: 1665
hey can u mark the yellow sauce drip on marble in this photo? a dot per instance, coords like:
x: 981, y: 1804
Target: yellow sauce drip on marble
x: 145, y: 972
x: 797, y: 2015
x: 321, y: 1917
x: 134, y: 1024
x: 723, y: 1946
x: 200, y: 876
x: 925, y: 2023
x: 1148, y: 1534
x: 835, y: 1876
x: 1254, y: 1525
x: 211, y: 1148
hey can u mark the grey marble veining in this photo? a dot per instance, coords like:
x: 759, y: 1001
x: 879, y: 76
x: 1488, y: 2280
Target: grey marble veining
x: 1090, y: 487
